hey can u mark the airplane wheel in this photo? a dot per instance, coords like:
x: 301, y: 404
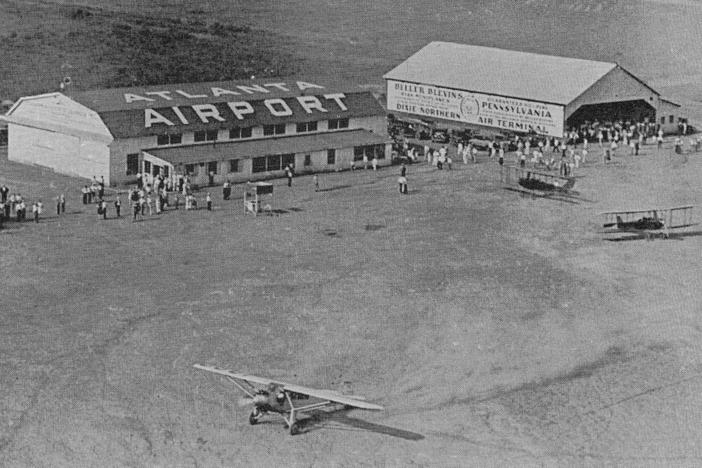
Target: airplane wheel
x: 253, y: 417
x: 294, y: 429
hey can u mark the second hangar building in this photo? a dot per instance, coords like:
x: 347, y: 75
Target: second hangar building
x: 235, y: 130
x: 465, y: 85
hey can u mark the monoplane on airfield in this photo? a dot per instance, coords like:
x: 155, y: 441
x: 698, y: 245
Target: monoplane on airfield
x: 536, y: 184
x: 648, y: 222
x: 271, y: 396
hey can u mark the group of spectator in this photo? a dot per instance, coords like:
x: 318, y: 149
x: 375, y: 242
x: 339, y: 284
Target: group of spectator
x: 14, y: 206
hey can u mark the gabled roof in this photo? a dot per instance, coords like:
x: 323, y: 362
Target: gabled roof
x: 130, y: 123
x: 113, y: 99
x: 535, y: 77
x: 220, y: 151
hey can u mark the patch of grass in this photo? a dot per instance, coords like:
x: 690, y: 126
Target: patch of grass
x: 100, y: 49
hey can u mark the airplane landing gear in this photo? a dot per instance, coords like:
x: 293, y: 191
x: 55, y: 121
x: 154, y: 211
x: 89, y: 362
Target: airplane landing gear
x: 294, y: 429
x: 254, y: 416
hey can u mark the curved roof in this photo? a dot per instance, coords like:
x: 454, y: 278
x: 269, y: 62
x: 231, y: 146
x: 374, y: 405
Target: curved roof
x: 535, y: 77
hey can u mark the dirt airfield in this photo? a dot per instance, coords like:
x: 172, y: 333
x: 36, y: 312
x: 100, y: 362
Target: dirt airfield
x: 496, y: 330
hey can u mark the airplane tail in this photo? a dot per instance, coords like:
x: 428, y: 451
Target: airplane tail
x: 619, y: 221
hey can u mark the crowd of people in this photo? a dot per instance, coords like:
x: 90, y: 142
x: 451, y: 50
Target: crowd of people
x: 566, y: 154
x: 13, y: 206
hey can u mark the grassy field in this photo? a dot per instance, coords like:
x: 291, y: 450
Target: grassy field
x: 100, y: 48
x: 494, y: 328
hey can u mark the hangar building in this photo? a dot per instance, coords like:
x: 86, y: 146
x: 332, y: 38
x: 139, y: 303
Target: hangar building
x: 236, y: 131
x: 460, y: 84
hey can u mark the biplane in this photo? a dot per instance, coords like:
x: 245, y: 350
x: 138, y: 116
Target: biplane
x: 537, y: 184
x: 648, y: 222
x: 272, y: 396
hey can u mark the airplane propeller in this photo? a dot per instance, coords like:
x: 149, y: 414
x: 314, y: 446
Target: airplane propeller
x: 256, y: 400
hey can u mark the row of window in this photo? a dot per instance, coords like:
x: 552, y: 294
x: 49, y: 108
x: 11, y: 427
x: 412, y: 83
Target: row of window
x: 247, y: 132
x: 369, y: 151
x: 263, y: 163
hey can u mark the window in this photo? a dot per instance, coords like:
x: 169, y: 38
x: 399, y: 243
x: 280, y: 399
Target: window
x: 288, y: 160
x: 334, y: 124
x: 380, y: 151
x: 671, y: 119
x: 278, y: 129
x: 174, y: 139
x: 165, y: 171
x: 206, y: 135
x: 147, y: 167
x: 258, y: 164
x: 212, y: 167
x: 132, y: 163
x: 190, y: 169
x: 307, y: 127
x: 236, y: 133
x: 308, y: 160
x: 358, y: 153
x: 273, y: 163
x: 233, y: 165
x: 331, y: 156
x: 662, y: 120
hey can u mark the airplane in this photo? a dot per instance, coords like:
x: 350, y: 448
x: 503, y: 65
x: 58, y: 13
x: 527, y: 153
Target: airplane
x: 649, y: 222
x: 277, y: 397
x: 538, y: 184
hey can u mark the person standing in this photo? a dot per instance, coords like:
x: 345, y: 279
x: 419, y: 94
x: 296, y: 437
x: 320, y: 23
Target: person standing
x: 208, y: 199
x: 3, y: 193
x: 402, y: 184
x: 659, y: 139
x: 58, y: 206
x: 289, y: 174
x: 35, y: 212
x: 62, y: 199
x: 403, y: 171
x: 84, y: 191
x: 118, y: 207
x: 374, y: 163
x: 315, y: 180
x: 365, y: 161
x: 103, y: 206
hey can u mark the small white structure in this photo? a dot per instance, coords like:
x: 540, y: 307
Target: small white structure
x: 255, y: 194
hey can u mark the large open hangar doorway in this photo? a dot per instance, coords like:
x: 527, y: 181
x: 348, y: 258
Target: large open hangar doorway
x: 637, y: 110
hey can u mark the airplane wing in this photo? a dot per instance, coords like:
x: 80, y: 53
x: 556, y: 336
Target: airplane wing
x: 329, y: 395
x: 333, y: 396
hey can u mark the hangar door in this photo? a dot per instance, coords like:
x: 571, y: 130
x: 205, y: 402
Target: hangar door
x: 65, y: 154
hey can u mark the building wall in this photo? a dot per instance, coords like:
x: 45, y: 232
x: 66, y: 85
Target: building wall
x: 667, y: 116
x: 65, y: 154
x: 318, y: 164
x: 119, y: 149
x: 616, y: 85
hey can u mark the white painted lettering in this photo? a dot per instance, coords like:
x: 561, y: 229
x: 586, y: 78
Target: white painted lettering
x: 152, y: 117
x: 163, y: 94
x: 222, y: 92
x: 190, y: 96
x: 180, y: 115
x: 303, y: 85
x: 240, y: 109
x: 309, y: 103
x: 280, y: 86
x: 253, y: 89
x: 282, y: 111
x: 135, y: 97
x: 337, y: 97
x: 207, y: 111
